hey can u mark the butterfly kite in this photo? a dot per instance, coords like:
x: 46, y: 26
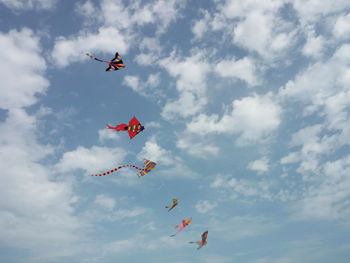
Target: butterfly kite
x: 175, y: 203
x: 147, y: 167
x: 133, y: 128
x: 185, y: 223
x: 115, y: 64
x: 203, y: 242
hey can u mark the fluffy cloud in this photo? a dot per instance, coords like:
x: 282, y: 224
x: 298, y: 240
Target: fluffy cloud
x: 328, y: 198
x: 144, y: 88
x: 243, y: 69
x: 309, y: 11
x: 105, y: 202
x: 91, y: 160
x: 153, y: 151
x: 261, y: 165
x: 121, y: 28
x: 244, y: 119
x: 196, y: 145
x: 242, y: 188
x: 176, y: 166
x: 159, y: 12
x: 190, y: 74
x: 204, y: 206
x: 314, y: 46
x: 106, y: 134
x: 72, y: 49
x: 342, y: 27
x: 29, y: 4
x: 21, y: 54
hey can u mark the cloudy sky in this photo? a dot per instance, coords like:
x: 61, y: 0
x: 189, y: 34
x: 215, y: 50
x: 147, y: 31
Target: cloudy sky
x: 246, y: 109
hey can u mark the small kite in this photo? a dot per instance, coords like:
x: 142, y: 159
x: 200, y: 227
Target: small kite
x: 147, y: 167
x: 185, y: 222
x: 175, y: 203
x: 203, y: 242
x: 133, y: 128
x: 115, y: 64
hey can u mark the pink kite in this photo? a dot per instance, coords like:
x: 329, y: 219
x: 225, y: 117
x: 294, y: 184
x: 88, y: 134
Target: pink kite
x: 185, y: 222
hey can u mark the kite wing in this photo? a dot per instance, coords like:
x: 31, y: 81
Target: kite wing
x: 204, y: 237
x: 134, y: 127
x: 111, y: 68
x: 148, y: 166
x: 116, y: 63
x: 134, y: 121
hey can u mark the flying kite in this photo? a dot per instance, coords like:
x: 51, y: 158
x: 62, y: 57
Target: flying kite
x: 133, y: 128
x: 203, y: 242
x: 115, y: 64
x: 175, y: 203
x: 147, y: 167
x: 185, y: 222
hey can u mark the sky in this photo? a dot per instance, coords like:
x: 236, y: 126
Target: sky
x: 245, y: 105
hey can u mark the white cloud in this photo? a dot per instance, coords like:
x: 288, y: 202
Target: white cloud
x: 106, y: 202
x: 341, y: 28
x: 21, y: 54
x: 190, y: 74
x: 243, y: 69
x: 150, y: 49
x: 73, y: 49
x: 159, y: 12
x: 29, y: 4
x: 201, y: 26
x: 328, y: 199
x: 35, y: 208
x: 144, y: 88
x: 240, y: 227
x: 261, y: 165
x: 153, y: 151
x: 244, y: 119
x: 106, y: 134
x: 188, y: 104
x: 142, y: 243
x: 309, y: 11
x: 314, y: 46
x: 242, y: 188
x: 109, y: 214
x: 196, y: 146
x: 204, y: 206
x: 91, y: 160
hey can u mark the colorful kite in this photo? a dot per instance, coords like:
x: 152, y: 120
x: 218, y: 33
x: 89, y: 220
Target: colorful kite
x: 185, y: 222
x: 175, y: 203
x: 133, y: 128
x: 115, y: 64
x: 203, y: 242
x: 147, y: 167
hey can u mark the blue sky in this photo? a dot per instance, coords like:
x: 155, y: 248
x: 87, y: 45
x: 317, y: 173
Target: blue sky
x: 246, y: 109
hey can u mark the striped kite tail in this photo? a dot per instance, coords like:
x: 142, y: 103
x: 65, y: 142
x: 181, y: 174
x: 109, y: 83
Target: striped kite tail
x: 116, y: 169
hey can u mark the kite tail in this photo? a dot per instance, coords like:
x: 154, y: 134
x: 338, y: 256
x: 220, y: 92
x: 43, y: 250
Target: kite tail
x: 116, y: 169
x: 92, y: 57
x: 121, y: 127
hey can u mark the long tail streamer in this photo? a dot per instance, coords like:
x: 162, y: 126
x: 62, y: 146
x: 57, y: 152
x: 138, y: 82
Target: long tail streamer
x: 117, y: 168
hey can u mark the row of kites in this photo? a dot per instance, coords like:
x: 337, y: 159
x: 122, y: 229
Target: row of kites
x: 133, y: 128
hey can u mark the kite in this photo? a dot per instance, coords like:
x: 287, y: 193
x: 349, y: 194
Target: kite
x: 147, y: 167
x: 185, y: 222
x: 115, y: 64
x: 133, y: 128
x: 203, y: 242
x: 175, y: 203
